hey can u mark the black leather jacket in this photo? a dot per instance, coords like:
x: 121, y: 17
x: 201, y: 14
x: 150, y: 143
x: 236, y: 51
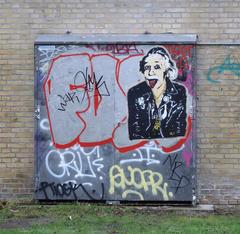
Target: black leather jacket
x: 146, y: 121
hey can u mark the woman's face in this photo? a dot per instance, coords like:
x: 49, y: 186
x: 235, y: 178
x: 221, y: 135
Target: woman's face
x: 154, y: 68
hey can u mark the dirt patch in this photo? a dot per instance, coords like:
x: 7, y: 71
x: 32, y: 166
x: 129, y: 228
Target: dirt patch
x: 24, y: 223
x: 3, y: 204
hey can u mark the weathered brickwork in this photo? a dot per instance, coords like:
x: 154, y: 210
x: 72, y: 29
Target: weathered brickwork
x: 218, y: 82
x: 218, y: 124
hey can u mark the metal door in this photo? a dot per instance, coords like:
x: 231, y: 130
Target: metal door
x: 115, y: 119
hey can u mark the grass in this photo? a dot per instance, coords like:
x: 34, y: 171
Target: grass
x: 93, y: 218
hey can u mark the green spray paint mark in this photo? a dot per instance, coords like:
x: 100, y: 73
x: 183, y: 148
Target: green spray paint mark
x: 227, y: 65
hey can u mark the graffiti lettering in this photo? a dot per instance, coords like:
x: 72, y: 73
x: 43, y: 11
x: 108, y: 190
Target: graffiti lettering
x: 116, y: 49
x: 70, y: 162
x: 59, y: 190
x: 144, y: 154
x: 66, y: 190
x: 91, y: 84
x: 145, y: 180
x: 49, y: 52
x: 176, y: 175
x: 69, y: 97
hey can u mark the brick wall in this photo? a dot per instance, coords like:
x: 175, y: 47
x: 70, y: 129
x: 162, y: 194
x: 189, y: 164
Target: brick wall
x: 218, y: 102
x: 218, y: 123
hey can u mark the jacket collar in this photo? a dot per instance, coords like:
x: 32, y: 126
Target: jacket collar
x: 170, y: 88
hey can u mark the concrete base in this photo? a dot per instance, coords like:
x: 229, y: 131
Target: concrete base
x: 185, y: 210
x: 207, y: 208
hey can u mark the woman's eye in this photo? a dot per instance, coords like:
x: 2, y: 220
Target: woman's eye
x: 147, y: 68
x: 157, y: 66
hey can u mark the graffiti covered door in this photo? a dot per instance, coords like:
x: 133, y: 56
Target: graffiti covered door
x: 115, y: 121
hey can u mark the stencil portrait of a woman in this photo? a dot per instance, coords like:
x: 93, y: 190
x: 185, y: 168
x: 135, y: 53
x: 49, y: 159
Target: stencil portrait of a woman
x: 157, y: 105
